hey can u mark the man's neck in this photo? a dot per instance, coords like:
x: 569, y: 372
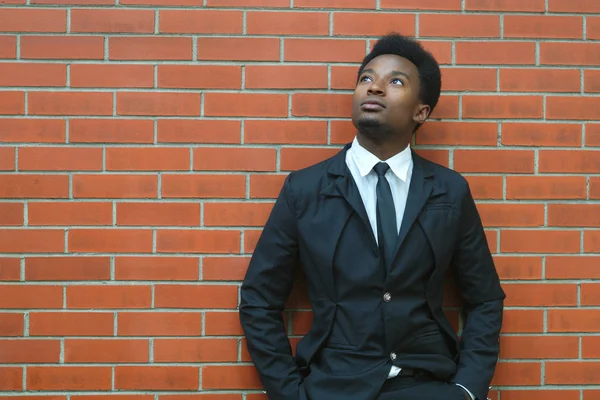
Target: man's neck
x: 383, y: 150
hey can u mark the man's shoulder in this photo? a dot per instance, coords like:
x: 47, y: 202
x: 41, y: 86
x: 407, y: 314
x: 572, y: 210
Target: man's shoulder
x: 310, y: 177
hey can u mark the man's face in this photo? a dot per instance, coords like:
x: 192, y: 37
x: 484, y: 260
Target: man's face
x: 386, y: 98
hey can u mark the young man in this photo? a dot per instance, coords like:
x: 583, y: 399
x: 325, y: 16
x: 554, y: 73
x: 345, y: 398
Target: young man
x: 375, y: 229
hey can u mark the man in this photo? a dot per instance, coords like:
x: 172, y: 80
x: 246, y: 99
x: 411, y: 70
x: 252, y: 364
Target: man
x: 375, y: 229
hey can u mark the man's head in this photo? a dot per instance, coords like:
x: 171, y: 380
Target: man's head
x: 398, y: 87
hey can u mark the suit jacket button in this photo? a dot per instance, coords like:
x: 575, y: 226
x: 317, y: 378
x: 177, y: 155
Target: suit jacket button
x: 387, y: 297
x: 393, y: 356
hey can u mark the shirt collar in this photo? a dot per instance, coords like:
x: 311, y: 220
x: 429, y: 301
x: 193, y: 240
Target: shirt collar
x: 365, y: 160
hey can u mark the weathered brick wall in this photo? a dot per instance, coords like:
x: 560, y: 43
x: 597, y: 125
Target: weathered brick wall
x: 142, y: 143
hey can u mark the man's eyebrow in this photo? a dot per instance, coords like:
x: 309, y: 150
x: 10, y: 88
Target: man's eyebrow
x: 393, y: 73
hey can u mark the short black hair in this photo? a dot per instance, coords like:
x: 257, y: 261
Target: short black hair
x: 413, y: 51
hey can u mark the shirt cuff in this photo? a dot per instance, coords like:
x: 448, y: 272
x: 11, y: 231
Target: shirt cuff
x: 467, y: 390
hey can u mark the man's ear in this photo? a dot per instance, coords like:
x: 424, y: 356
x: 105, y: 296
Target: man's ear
x: 421, y: 113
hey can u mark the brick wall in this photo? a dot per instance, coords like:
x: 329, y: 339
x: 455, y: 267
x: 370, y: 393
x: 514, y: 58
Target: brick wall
x: 142, y: 143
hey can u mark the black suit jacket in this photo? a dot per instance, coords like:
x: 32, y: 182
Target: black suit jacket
x: 306, y: 225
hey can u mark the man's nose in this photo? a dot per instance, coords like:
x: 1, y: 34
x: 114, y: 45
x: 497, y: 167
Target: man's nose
x: 375, y: 88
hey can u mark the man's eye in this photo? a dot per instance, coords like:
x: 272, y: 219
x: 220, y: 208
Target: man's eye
x: 364, y: 78
x: 397, y: 81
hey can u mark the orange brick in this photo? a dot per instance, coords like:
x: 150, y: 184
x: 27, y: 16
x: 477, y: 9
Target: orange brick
x: 437, y: 156
x: 230, y: 377
x: 593, y: 27
x: 573, y: 108
x: 574, y: 6
x: 573, y: 320
x: 12, y: 103
x: 70, y: 213
x: 158, y: 323
x: 545, y: 187
x: 147, y: 159
x: 33, y: 74
x: 7, y: 159
x: 590, y: 347
x: 158, y: 214
x: 285, y: 132
x: 301, y: 322
x: 343, y: 77
x: 572, y: 161
x: 246, y: 105
x: 442, y: 51
x: 514, y: 347
x: 540, y: 295
x: 60, y: 159
x: 574, y: 215
x: 200, y: 76
x: 517, y: 374
x: 591, y: 241
x: 572, y: 267
x: 195, y: 350
x: 471, y: 79
x: 156, y: 378
x: 12, y: 324
x: 106, y: 297
x: 87, y: 130
x: 11, y: 378
x: 539, y: 241
x: 539, y: 80
x: 341, y: 131
x: 196, y: 296
x: 200, y: 21
x: 323, y: 50
x: 73, y: 2
x: 68, y: 268
x: 169, y: 3
x: 528, y: 26
x: 62, y: 47
x: 106, y: 351
x: 470, y: 26
x: 248, y: 3
x: 203, y: 186
x: 264, y: 186
x: 150, y: 48
x: 223, y: 323
x: 238, y: 49
x: 494, y: 161
x: 458, y: 133
x: 572, y: 373
x: 501, y: 215
x: 33, y: 20
x: 167, y: 104
x: 286, y: 77
x: 128, y: 186
x: 590, y: 296
x: 10, y: 269
x: 556, y: 53
x: 198, y: 241
x: 501, y: 53
x: 112, y: 21
x: 445, y: 5
x: 34, y: 186
x: 69, y: 378
x: 485, y: 187
x: 541, y: 134
x: 594, y: 188
x: 363, y: 4
x: 506, y: 5
x: 8, y: 47
x: 156, y: 268
x: 234, y: 159
x: 71, y: 324
x: 224, y: 268
x: 32, y: 241
x: 236, y: 214
x: 372, y: 24
x: 298, y: 158
x: 551, y: 394
x: 591, y: 81
x: 29, y: 351
x: 287, y: 23
x: 521, y: 268
x: 112, y: 75
x: 321, y: 105
x: 447, y: 107
x: 110, y: 240
x: 37, y: 130
x: 31, y: 296
x: 503, y: 106
x: 70, y: 103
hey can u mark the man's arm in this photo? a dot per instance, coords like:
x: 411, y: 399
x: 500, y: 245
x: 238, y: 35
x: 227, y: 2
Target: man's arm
x: 483, y: 302
x: 264, y: 292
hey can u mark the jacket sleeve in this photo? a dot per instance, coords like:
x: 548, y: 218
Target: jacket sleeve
x: 264, y: 292
x: 483, y: 302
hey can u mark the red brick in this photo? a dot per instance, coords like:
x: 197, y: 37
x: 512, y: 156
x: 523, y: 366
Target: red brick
x: 8, y: 46
x: 200, y: 21
x: 301, y: 322
x: 592, y: 81
x: 246, y: 105
x: 517, y: 374
x: 519, y: 268
x: 147, y: 159
x: 573, y: 161
x: 70, y: 103
x: 343, y: 77
x: 249, y: 3
x: 595, y: 188
x: 196, y: 296
x: 156, y: 378
x: 156, y: 268
x: 224, y: 269
x: 33, y: 74
x: 286, y: 77
x: 285, y: 132
x: 150, y: 48
x: 236, y: 214
x: 494, y: 161
x: 10, y: 269
x: 7, y: 159
x: 591, y: 241
x: 11, y: 378
x: 112, y: 21
x: 70, y: 213
x: 506, y: 5
x: 572, y: 267
x: 287, y: 23
x: 238, y: 49
x: 198, y: 241
x: 106, y: 297
x: 158, y: 323
x: 574, y: 320
x: 539, y: 241
x: 445, y: 5
x: 32, y: 241
x: 11, y: 324
x: 223, y: 323
x: 230, y: 377
x: 590, y: 295
x: 540, y: 295
x: 12, y: 103
x: 69, y: 378
x: 551, y: 394
x: 31, y: 296
x: 68, y: 268
x: 442, y: 51
x: 590, y: 346
x: 87, y: 130
x: 199, y: 131
x: 470, y: 26
x: 453, y: 133
x: 33, y: 20
x: 592, y: 135
x: 503, y: 106
x: 150, y: 104
x: 572, y: 373
x: 341, y: 131
x: 298, y: 158
x: 195, y: 350
x: 158, y: 214
x: 485, y: 187
x: 447, y: 107
x: 110, y: 240
x: 128, y: 186
x: 539, y: 347
x: 574, y: 215
x: 106, y: 351
x: 60, y: 159
x: 234, y: 159
x: 553, y: 27
x: 200, y: 76
x: 539, y: 80
x: 363, y: 4
x: 112, y: 75
x: 437, y: 156
x: 29, y: 351
x: 574, y: 6
x: 372, y: 24
x: 321, y: 105
x: 73, y: 2
x: 33, y: 130
x: 62, y: 47
x: 203, y: 186
x: 34, y: 186
x: 471, y: 79
x: 323, y: 50
x: 71, y: 324
x: 501, y: 215
x: 593, y: 27
x: 558, y: 53
x: 264, y: 186
x: 502, y: 53
x: 541, y: 134
x: 169, y: 3
x: 545, y: 187
x: 575, y: 108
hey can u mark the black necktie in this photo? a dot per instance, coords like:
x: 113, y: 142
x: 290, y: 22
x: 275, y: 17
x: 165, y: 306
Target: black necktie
x: 387, y: 231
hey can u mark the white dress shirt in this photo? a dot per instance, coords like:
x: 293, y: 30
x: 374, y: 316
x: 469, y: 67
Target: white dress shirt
x: 361, y: 162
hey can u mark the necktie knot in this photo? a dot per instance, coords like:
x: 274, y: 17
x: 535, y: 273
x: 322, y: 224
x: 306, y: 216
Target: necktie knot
x: 381, y: 169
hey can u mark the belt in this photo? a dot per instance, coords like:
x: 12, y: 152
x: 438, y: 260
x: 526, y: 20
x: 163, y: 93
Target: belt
x: 414, y: 372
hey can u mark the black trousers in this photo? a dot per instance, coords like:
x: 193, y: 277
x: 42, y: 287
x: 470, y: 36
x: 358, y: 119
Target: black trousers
x: 409, y: 388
